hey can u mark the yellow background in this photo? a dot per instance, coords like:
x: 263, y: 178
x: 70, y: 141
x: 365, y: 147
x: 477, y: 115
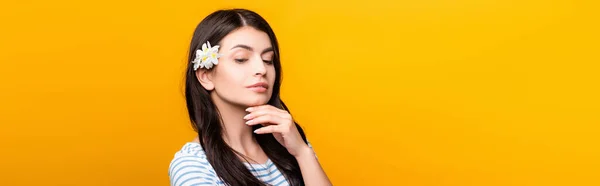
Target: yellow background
x: 433, y: 92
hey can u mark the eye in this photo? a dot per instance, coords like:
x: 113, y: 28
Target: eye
x: 241, y: 60
x: 270, y: 62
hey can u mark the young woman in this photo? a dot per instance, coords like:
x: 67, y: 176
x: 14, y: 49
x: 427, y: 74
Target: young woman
x: 246, y: 135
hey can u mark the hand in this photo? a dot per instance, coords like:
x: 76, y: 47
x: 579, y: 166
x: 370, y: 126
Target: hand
x: 279, y: 123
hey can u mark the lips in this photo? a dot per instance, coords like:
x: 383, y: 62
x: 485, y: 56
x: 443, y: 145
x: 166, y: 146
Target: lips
x: 259, y: 87
x: 259, y: 84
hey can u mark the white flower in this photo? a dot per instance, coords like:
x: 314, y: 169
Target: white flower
x: 207, y: 57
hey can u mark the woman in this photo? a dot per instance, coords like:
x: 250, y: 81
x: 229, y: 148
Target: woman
x: 246, y: 135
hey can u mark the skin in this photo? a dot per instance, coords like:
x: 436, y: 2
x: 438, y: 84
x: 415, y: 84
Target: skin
x: 246, y: 60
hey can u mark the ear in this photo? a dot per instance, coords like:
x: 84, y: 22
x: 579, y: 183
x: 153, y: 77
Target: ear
x: 204, y: 76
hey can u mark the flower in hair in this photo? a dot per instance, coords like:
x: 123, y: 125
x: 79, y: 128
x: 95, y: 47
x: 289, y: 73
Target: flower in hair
x: 206, y: 57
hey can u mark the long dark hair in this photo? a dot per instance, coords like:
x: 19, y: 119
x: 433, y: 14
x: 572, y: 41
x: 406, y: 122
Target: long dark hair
x: 205, y: 116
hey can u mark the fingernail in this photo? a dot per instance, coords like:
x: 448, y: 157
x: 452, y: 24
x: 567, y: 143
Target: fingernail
x: 247, y: 116
x: 248, y: 122
x: 255, y: 131
x: 248, y: 109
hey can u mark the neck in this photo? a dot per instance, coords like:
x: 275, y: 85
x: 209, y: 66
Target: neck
x: 236, y: 133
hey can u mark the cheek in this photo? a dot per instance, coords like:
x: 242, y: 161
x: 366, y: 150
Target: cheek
x: 229, y: 77
x: 271, y: 75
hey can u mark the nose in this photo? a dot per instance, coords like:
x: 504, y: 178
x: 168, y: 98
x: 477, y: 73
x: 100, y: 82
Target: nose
x: 259, y: 67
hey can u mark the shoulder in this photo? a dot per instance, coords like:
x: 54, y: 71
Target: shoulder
x: 190, y: 167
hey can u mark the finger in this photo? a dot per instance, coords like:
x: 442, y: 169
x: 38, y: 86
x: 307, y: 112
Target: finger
x: 268, y: 129
x: 267, y: 107
x: 257, y: 113
x: 265, y: 111
x: 265, y: 119
x: 250, y: 109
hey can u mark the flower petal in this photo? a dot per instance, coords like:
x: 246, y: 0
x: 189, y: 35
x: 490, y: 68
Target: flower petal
x: 196, y: 65
x: 207, y: 57
x: 212, y: 50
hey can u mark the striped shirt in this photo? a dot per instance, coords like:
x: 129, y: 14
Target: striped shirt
x: 190, y: 167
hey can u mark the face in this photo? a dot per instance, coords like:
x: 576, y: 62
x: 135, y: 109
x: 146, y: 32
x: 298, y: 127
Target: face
x: 245, y: 74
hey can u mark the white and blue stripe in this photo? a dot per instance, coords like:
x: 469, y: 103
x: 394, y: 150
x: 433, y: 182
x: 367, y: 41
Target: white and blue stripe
x: 190, y: 167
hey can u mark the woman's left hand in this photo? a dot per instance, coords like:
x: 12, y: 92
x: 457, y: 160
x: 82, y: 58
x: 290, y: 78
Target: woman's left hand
x: 280, y: 123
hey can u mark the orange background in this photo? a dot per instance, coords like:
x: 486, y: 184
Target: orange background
x: 443, y: 92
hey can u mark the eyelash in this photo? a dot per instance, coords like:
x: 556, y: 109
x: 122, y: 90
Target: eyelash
x: 244, y: 60
x: 241, y: 60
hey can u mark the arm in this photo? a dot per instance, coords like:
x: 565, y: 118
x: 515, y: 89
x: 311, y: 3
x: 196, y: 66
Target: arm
x: 312, y: 173
x: 280, y: 123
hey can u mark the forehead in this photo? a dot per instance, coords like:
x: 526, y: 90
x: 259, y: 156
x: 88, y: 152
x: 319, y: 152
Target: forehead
x: 249, y: 36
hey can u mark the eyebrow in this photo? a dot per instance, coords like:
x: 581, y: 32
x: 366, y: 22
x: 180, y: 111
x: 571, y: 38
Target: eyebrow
x: 250, y: 48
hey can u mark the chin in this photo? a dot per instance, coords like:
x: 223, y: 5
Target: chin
x: 257, y: 102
